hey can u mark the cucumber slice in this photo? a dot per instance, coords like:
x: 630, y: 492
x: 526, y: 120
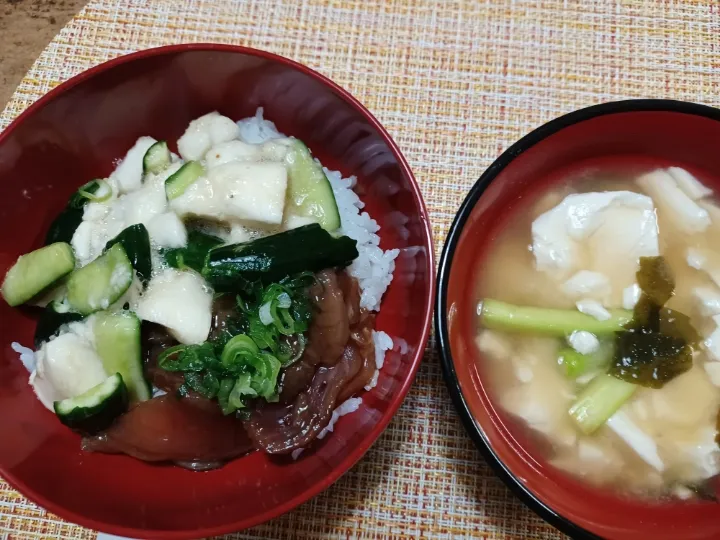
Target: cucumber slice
x: 183, y: 179
x: 309, y: 190
x: 35, y: 271
x: 136, y: 242
x: 157, y: 158
x: 64, y: 225
x: 96, y: 409
x: 117, y: 341
x: 100, y: 283
x: 51, y: 319
x: 270, y: 258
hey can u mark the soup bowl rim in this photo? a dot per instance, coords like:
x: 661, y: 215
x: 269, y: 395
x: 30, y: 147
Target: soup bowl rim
x: 477, y: 434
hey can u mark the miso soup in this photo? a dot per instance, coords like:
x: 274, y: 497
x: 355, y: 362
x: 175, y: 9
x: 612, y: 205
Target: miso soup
x: 599, y: 325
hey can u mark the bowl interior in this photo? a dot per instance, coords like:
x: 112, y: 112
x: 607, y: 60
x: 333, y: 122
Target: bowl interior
x: 614, y: 135
x: 74, y: 135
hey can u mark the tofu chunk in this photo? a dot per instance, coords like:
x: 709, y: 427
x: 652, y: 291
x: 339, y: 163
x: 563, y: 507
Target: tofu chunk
x: 128, y: 174
x: 586, y: 283
x: 494, y: 344
x: 602, y: 232
x: 205, y: 132
x: 593, y: 308
x: 67, y: 366
x: 638, y: 440
x: 631, y: 295
x: 166, y: 230
x: 248, y: 192
x: 97, y: 227
x: 254, y: 192
x: 685, y: 213
x: 691, y: 186
x: 705, y: 260
x: 707, y: 300
x: 583, y: 342
x: 712, y: 345
x: 232, y: 151
x: 181, y: 302
x: 142, y: 205
x: 293, y: 222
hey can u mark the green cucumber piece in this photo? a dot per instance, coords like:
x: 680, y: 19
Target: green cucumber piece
x: 157, y: 158
x: 100, y: 283
x: 117, y: 342
x: 63, y: 227
x: 136, y: 241
x: 50, y: 322
x: 309, y: 191
x: 193, y: 255
x: 183, y: 179
x: 34, y: 272
x: 96, y: 409
x: 271, y: 258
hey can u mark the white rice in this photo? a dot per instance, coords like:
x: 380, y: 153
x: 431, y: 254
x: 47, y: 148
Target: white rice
x: 383, y: 343
x: 27, y: 356
x: 373, y: 267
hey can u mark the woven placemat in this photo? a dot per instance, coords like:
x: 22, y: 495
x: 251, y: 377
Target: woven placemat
x: 455, y: 83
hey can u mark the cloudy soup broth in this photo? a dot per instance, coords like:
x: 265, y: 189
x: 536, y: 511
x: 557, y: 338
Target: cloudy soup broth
x: 598, y: 323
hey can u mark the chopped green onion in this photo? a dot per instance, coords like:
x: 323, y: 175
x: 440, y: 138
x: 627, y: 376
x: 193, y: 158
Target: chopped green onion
x: 289, y: 355
x: 223, y: 397
x: 244, y: 361
x: 241, y: 389
x: 284, y: 301
x: 206, y: 385
x: 237, y: 351
x: 186, y: 357
x: 93, y: 191
x: 267, y: 370
x: 266, y: 314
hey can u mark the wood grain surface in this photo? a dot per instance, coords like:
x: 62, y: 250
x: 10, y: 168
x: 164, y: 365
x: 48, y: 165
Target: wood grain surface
x: 26, y: 27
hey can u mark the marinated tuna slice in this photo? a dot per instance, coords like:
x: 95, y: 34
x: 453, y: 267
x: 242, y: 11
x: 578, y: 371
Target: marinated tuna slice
x: 167, y: 428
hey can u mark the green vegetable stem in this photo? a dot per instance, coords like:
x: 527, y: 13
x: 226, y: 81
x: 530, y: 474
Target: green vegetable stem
x: 547, y: 321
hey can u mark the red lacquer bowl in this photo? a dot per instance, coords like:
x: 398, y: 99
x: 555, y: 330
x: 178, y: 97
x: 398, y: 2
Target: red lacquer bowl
x: 73, y: 135
x: 638, y: 135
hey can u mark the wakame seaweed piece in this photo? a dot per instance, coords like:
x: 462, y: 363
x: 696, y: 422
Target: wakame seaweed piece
x: 136, y: 241
x: 649, y: 359
x: 271, y: 258
x: 676, y: 324
x: 657, y: 345
x: 194, y: 253
x: 646, y: 315
x: 656, y: 279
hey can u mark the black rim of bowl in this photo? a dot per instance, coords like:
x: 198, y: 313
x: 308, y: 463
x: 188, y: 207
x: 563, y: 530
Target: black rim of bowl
x: 441, y: 327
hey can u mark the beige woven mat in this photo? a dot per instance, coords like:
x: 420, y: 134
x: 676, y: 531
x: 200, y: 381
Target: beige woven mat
x: 455, y: 82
